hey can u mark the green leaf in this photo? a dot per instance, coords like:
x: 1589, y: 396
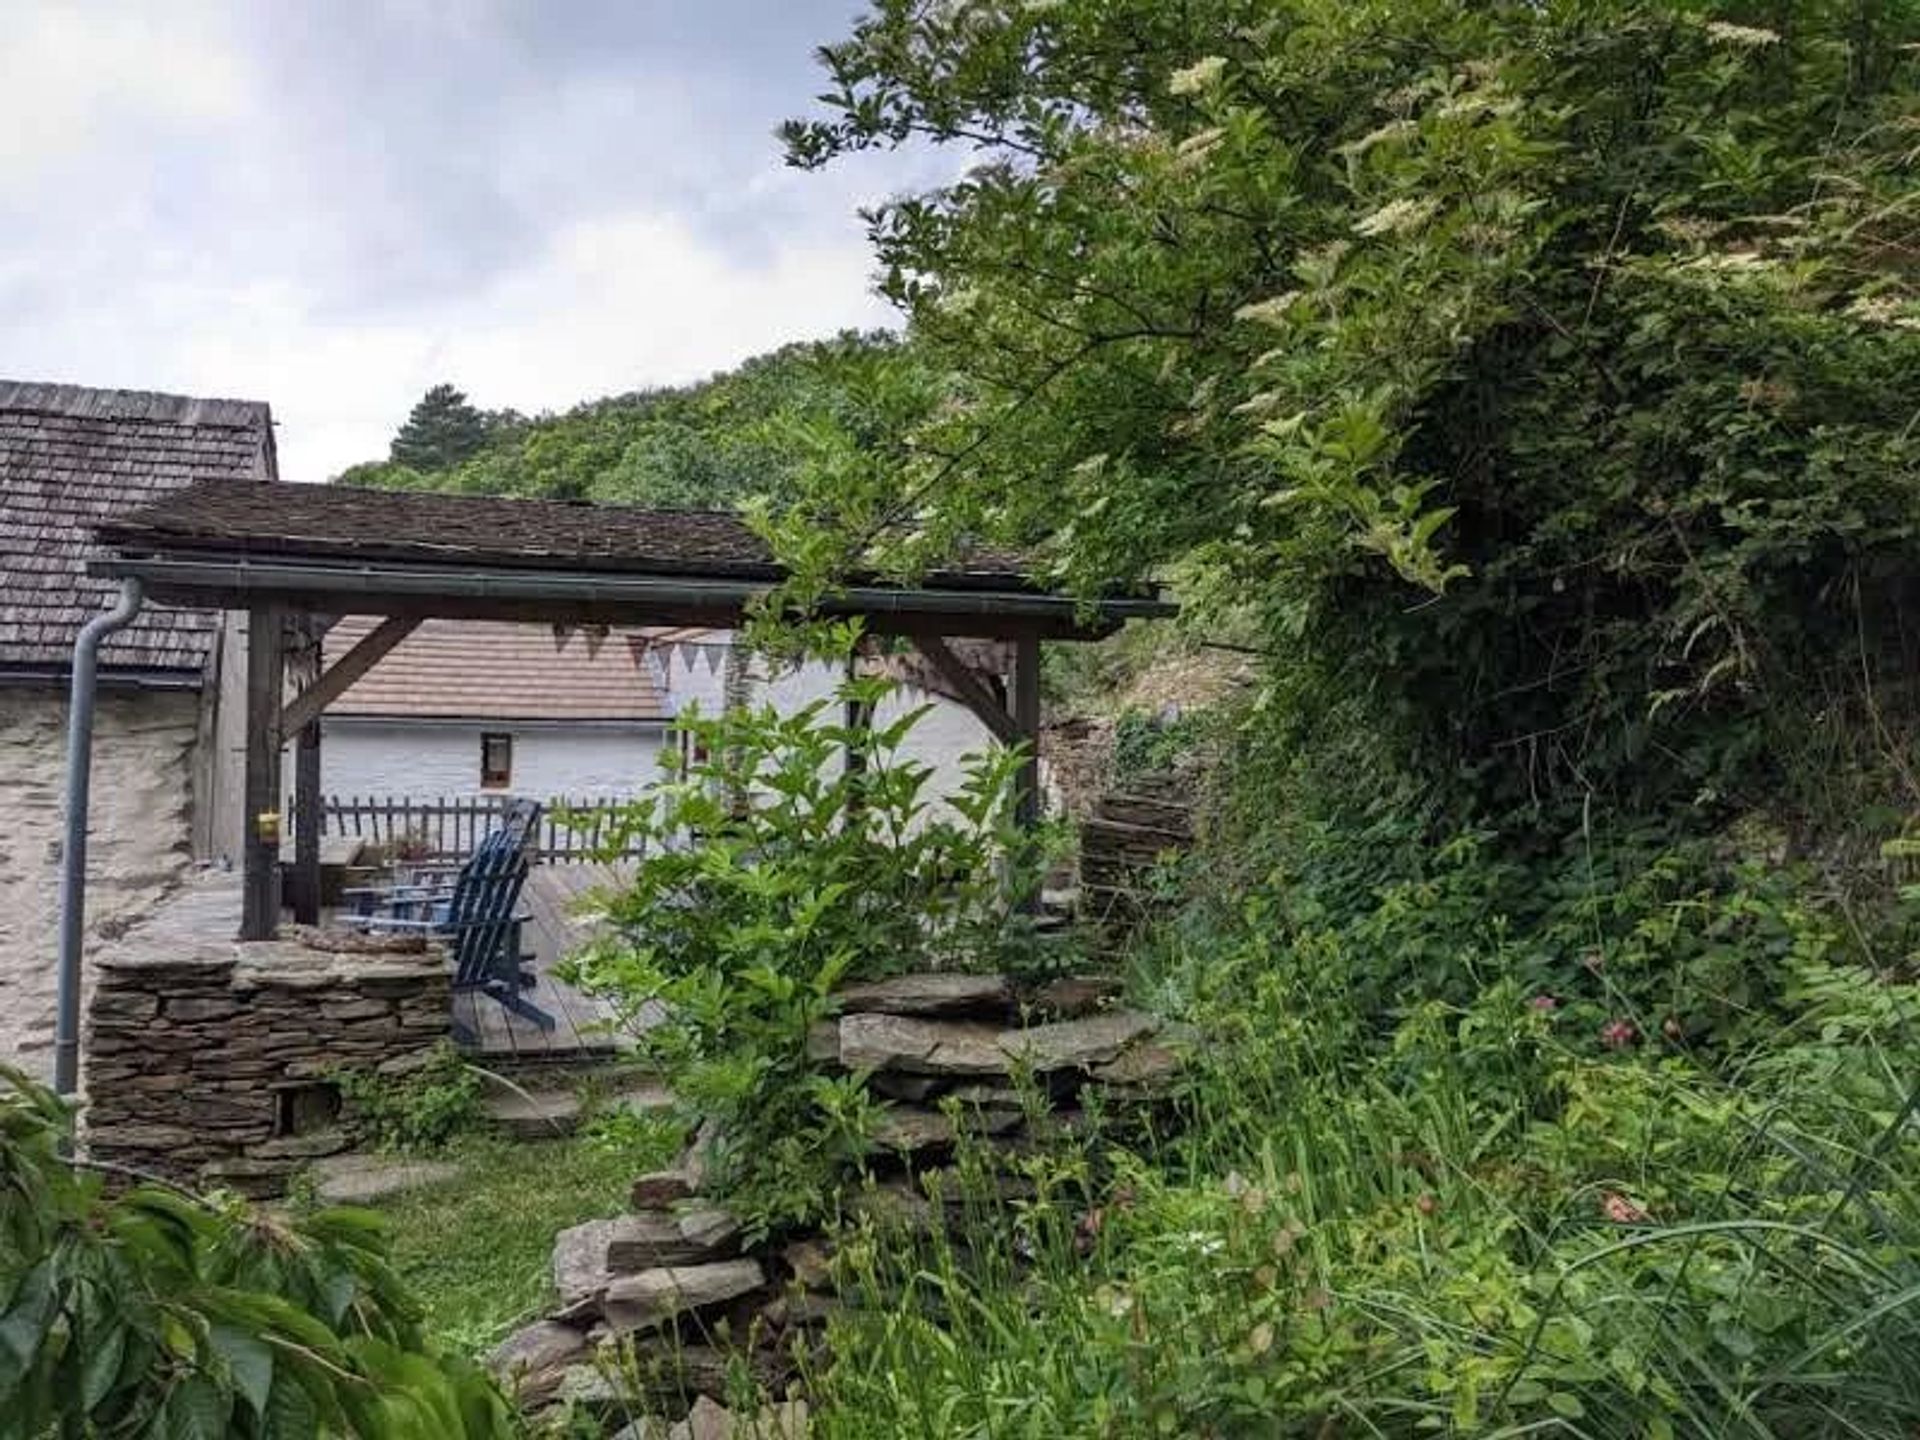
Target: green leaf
x: 250, y: 1362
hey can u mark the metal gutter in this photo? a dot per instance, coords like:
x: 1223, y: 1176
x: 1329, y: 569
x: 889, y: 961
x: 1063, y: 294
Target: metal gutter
x: 73, y: 875
x: 258, y: 579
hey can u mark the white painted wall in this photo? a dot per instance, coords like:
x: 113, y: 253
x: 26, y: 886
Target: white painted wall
x: 425, y: 759
x: 942, y: 739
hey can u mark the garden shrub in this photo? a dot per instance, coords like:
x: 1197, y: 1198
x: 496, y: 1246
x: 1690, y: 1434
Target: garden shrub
x: 772, y: 873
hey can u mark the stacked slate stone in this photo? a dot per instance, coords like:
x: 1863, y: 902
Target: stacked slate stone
x: 646, y: 1300
x: 1127, y: 836
x: 199, y: 1066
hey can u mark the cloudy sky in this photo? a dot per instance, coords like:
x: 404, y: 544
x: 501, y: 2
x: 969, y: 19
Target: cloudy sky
x: 332, y: 204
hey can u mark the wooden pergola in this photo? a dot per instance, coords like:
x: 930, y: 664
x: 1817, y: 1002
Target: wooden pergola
x: 295, y: 557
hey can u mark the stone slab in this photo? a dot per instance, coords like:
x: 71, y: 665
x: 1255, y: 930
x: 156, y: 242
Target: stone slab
x: 357, y: 1179
x: 653, y: 1297
x: 535, y: 1114
x: 985, y: 997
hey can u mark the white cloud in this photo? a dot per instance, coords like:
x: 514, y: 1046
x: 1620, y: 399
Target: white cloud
x: 331, y: 207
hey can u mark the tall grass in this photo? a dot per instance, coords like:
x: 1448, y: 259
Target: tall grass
x: 1478, y: 1218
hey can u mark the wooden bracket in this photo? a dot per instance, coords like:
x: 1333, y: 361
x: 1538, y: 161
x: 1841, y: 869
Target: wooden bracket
x: 970, y: 689
x: 367, y: 652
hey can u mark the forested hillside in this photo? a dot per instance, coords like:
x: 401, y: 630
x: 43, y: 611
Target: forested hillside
x: 741, y: 433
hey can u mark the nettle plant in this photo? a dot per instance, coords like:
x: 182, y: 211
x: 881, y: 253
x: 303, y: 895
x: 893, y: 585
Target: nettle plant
x: 786, y: 855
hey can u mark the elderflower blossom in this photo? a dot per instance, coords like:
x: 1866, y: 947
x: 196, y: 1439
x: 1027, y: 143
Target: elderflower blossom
x: 1196, y: 77
x: 1883, y: 310
x: 1271, y: 311
x: 1397, y: 217
x: 1750, y: 36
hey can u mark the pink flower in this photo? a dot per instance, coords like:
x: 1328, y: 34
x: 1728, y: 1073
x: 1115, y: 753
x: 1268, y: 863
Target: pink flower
x: 1426, y: 1204
x: 1621, y: 1210
x: 1618, y: 1034
x: 1544, y: 1003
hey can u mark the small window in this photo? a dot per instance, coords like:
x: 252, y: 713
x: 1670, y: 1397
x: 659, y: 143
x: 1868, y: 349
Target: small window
x: 496, y: 761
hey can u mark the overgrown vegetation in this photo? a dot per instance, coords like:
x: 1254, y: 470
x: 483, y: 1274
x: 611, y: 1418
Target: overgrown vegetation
x: 150, y: 1312
x: 1526, y: 382
x: 421, y: 1108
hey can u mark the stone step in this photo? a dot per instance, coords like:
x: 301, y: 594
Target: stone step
x: 534, y: 1114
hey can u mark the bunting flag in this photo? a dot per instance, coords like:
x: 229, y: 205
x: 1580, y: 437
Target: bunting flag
x: 596, y: 637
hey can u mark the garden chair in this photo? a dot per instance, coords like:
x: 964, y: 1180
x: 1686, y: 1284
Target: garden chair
x: 477, y: 915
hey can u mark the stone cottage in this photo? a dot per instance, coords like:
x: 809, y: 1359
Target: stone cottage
x: 166, y: 748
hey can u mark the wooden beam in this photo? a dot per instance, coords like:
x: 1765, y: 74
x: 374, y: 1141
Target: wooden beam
x: 1026, y: 724
x: 304, y: 709
x: 970, y: 689
x: 306, y: 825
x: 260, y: 851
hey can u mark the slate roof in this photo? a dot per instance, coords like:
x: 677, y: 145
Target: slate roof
x: 336, y: 521
x: 494, y: 670
x: 71, y: 457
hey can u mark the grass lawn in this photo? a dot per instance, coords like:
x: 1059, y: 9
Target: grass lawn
x: 477, y: 1249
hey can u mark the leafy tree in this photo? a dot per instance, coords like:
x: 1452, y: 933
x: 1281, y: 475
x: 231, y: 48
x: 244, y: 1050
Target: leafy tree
x: 1534, y: 372
x: 153, y: 1313
x: 441, y: 431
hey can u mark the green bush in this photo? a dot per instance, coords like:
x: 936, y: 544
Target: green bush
x: 149, y: 1312
x: 773, y: 873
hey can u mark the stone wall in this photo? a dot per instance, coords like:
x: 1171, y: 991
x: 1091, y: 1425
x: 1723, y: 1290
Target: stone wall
x: 211, y: 1066
x: 140, y: 837
x: 1121, y: 843
x: 659, y: 1309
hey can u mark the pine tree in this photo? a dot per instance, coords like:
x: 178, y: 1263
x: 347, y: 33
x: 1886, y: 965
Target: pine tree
x: 442, y: 430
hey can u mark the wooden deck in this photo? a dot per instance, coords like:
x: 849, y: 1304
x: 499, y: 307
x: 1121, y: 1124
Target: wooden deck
x: 205, y: 912
x: 555, y: 930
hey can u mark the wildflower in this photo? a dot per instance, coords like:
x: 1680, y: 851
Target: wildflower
x: 1544, y: 1003
x: 1618, y: 1034
x: 1197, y: 76
x: 1621, y: 1210
x: 1260, y: 1338
x: 1673, y: 1029
x: 1426, y: 1204
x: 1593, y: 962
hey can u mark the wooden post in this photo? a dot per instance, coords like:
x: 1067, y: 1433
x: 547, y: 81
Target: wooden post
x: 859, y: 724
x: 306, y: 825
x: 1026, y: 725
x: 260, y: 854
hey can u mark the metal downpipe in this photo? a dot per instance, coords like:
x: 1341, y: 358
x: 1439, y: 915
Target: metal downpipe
x: 73, y: 878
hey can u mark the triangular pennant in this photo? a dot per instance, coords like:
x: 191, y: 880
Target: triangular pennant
x: 560, y: 633
x: 715, y: 655
x: 596, y: 637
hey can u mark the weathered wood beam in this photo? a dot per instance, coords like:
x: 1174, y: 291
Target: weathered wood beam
x: 970, y: 689
x: 306, y: 825
x: 305, y: 708
x: 260, y: 852
x: 1026, y: 724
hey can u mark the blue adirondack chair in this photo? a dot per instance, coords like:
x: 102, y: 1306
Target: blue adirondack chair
x: 478, y: 916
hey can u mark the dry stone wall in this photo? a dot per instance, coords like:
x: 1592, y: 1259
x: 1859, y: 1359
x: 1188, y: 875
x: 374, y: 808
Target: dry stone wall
x: 140, y: 838
x: 210, y: 1067
x: 654, y: 1306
